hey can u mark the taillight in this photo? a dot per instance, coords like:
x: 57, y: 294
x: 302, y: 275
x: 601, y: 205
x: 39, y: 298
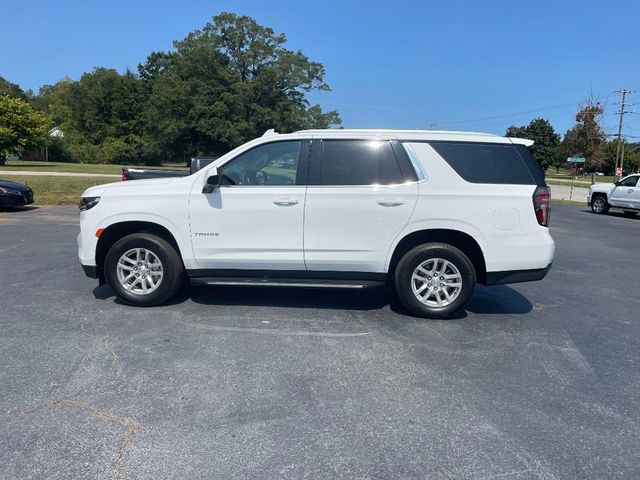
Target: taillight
x: 125, y: 175
x: 542, y: 205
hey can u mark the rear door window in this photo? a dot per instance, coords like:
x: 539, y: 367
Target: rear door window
x: 359, y: 162
x: 486, y: 163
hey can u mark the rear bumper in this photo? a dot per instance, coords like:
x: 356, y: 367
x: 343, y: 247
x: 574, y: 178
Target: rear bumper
x: 517, y: 276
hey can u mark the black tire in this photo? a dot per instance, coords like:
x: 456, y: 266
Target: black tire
x: 422, y: 253
x: 599, y: 205
x: 630, y: 213
x: 172, y: 269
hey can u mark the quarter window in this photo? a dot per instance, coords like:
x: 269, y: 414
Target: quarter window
x: 485, y: 163
x: 269, y: 164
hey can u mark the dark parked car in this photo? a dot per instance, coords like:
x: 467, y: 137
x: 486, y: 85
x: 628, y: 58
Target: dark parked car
x: 14, y: 194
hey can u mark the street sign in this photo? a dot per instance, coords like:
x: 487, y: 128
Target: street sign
x: 576, y: 159
x: 618, y: 172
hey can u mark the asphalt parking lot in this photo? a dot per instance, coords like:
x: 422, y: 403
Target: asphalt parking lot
x: 536, y: 381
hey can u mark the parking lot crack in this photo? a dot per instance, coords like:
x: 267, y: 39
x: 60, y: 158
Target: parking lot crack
x: 115, y: 360
x: 131, y: 425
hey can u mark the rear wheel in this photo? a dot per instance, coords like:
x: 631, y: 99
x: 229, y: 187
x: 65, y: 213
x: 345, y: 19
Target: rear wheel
x: 599, y: 205
x: 435, y: 280
x: 143, y: 269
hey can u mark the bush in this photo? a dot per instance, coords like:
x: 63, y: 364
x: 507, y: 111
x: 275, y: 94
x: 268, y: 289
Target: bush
x: 74, y: 149
x: 82, y: 152
x: 124, y: 150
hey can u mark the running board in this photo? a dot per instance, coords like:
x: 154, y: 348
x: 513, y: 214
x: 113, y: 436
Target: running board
x: 285, y: 282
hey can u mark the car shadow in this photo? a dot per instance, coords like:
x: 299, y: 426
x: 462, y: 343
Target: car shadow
x: 499, y: 299
x: 26, y: 208
x: 614, y: 213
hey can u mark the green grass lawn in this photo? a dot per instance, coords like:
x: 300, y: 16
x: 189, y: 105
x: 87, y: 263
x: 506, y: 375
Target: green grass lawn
x: 551, y: 181
x: 565, y: 174
x: 58, y: 190
x: 96, y: 169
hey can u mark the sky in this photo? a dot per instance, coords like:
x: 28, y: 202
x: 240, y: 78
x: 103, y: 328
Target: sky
x: 452, y: 65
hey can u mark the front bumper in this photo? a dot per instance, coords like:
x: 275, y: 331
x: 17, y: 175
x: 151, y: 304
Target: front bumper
x: 589, y: 199
x: 517, y: 276
x: 90, y: 271
x: 16, y: 199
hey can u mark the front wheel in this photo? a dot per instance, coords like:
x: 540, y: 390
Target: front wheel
x: 143, y: 270
x: 435, y: 280
x: 599, y: 205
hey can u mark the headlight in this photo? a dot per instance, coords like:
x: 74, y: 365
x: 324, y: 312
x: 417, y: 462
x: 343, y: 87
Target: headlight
x: 9, y: 190
x: 87, y: 203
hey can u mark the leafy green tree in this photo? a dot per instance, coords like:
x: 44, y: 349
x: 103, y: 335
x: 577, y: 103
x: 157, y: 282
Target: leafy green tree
x: 103, y: 107
x: 226, y: 84
x: 607, y: 154
x: 545, y: 138
x: 11, y: 89
x: 631, y: 161
x: 632, y: 157
x: 219, y: 87
x: 586, y: 137
x: 21, y: 127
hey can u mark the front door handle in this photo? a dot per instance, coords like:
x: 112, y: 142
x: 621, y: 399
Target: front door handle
x: 390, y: 202
x: 630, y: 190
x: 286, y: 202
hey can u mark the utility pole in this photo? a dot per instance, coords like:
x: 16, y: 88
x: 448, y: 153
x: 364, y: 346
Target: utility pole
x: 619, y: 150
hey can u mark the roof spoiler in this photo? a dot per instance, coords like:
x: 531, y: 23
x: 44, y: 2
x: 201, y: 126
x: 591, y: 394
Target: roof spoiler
x: 521, y: 141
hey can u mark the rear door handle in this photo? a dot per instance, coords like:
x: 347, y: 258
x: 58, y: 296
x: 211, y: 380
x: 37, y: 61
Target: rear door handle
x: 390, y: 202
x: 286, y: 202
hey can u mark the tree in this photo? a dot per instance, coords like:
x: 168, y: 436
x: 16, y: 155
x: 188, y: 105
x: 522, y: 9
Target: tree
x: 586, y: 136
x: 545, y: 138
x: 225, y: 84
x: 100, y: 115
x: 217, y: 88
x: 21, y: 127
x: 11, y: 89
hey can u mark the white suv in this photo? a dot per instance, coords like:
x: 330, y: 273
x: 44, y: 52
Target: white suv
x: 432, y: 212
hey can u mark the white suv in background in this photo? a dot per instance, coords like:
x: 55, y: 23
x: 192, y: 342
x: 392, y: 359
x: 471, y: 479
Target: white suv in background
x: 432, y: 212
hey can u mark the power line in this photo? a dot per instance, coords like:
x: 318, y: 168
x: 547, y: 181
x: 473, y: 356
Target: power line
x: 498, y: 117
x: 454, y: 122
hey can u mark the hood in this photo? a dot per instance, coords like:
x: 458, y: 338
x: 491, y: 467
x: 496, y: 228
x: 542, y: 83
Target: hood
x: 602, y: 187
x: 99, y: 190
x: 14, y: 186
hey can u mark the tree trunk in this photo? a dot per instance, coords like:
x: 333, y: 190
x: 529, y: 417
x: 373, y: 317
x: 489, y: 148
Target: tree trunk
x: 3, y: 159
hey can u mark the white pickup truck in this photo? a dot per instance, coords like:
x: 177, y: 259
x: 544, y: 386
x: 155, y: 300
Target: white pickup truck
x: 624, y: 194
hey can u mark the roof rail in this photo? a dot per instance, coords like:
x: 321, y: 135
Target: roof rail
x: 391, y: 130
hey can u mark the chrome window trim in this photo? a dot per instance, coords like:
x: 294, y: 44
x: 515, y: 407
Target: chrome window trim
x: 415, y: 161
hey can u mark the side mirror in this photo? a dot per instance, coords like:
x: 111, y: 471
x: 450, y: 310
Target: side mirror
x: 213, y: 180
x: 617, y: 183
